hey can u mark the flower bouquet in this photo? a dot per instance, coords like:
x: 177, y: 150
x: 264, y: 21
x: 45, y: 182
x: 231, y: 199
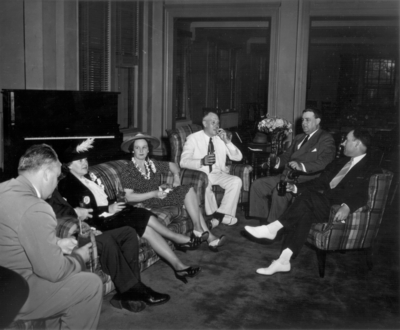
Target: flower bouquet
x: 277, y: 129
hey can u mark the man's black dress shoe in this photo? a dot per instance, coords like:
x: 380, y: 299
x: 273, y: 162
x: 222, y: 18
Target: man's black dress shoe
x: 148, y: 296
x: 121, y: 301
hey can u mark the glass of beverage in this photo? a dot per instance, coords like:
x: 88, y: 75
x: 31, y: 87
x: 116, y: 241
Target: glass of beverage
x: 121, y: 196
x: 281, y: 187
x: 83, y: 238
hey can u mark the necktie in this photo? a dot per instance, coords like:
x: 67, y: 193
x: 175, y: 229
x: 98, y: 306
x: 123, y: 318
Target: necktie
x: 335, y: 181
x: 210, y: 151
x: 304, y: 141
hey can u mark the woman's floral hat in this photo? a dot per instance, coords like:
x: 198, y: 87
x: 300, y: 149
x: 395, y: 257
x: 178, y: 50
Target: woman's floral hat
x: 139, y: 136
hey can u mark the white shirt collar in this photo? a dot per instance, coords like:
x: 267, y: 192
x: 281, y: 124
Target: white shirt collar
x: 314, y: 132
x: 207, y: 138
x: 355, y: 160
x: 37, y: 191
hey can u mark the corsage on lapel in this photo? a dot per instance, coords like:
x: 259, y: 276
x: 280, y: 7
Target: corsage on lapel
x: 96, y: 180
x: 85, y: 202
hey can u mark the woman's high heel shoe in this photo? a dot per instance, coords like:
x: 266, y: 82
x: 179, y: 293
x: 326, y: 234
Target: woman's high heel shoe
x: 203, y: 235
x: 193, y: 244
x: 191, y: 271
x: 214, y: 247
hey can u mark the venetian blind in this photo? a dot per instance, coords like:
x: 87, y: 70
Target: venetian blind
x: 127, y: 33
x: 94, y: 45
x: 126, y: 52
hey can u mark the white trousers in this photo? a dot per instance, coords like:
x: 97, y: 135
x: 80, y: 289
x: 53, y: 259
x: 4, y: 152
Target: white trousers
x: 232, y: 185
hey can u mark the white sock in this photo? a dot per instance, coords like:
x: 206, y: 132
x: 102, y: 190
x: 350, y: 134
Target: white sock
x: 274, y: 227
x: 285, y: 256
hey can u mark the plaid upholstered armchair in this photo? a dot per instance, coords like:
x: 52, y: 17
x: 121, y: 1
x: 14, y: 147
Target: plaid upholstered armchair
x: 177, y: 138
x: 359, y: 230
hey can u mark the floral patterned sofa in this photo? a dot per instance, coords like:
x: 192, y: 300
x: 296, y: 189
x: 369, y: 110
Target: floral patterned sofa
x: 174, y: 218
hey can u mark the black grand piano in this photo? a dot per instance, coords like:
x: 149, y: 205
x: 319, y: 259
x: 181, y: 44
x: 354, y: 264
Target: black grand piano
x: 56, y: 118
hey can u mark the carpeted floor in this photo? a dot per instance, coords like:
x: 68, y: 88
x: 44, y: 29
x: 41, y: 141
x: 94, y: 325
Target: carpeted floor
x: 228, y: 294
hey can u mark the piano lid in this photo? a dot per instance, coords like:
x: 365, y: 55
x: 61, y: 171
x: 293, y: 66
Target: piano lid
x: 48, y: 114
x: 45, y: 138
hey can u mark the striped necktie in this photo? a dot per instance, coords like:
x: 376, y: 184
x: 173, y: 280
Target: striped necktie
x: 304, y: 141
x: 335, y: 181
x: 210, y: 151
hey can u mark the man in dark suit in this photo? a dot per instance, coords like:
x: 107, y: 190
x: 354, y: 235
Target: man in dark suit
x: 118, y: 250
x: 345, y: 182
x: 309, y: 154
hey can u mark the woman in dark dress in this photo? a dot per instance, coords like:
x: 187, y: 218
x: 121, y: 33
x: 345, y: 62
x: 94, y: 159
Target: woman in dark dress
x: 77, y: 188
x: 140, y: 180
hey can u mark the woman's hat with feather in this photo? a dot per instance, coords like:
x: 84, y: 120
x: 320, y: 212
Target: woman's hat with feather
x: 77, y: 151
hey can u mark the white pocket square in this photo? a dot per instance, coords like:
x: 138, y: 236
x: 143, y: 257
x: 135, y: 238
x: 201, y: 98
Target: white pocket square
x: 314, y: 150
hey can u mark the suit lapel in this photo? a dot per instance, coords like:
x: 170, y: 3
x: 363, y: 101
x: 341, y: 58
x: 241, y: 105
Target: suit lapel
x: 296, y: 142
x: 334, y: 168
x: 354, y: 172
x: 310, y: 144
x: 82, y: 190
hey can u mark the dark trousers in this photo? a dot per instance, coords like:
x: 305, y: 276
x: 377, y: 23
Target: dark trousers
x: 261, y: 191
x: 14, y: 291
x: 307, y: 208
x: 134, y: 217
x: 118, y: 250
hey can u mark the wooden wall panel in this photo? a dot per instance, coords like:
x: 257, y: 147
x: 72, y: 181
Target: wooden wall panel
x: 49, y: 44
x: 34, y: 44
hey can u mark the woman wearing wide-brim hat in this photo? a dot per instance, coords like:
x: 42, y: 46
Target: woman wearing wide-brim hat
x: 81, y: 186
x: 140, y: 180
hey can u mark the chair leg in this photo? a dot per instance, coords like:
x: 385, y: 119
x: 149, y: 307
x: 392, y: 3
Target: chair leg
x: 369, y: 254
x: 321, y: 256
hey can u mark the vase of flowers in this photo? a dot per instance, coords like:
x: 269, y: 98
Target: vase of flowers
x: 277, y: 129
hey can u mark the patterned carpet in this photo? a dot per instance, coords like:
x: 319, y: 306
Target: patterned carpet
x: 228, y: 294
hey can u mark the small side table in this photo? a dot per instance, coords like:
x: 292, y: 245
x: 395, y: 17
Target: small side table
x: 259, y: 152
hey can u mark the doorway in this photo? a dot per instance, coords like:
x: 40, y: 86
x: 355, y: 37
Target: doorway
x: 221, y: 65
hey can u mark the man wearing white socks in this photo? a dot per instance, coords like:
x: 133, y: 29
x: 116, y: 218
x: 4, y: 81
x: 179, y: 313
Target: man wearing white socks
x: 309, y: 154
x: 345, y: 182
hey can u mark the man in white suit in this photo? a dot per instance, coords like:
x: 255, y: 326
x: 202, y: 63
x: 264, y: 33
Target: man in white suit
x: 206, y: 151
